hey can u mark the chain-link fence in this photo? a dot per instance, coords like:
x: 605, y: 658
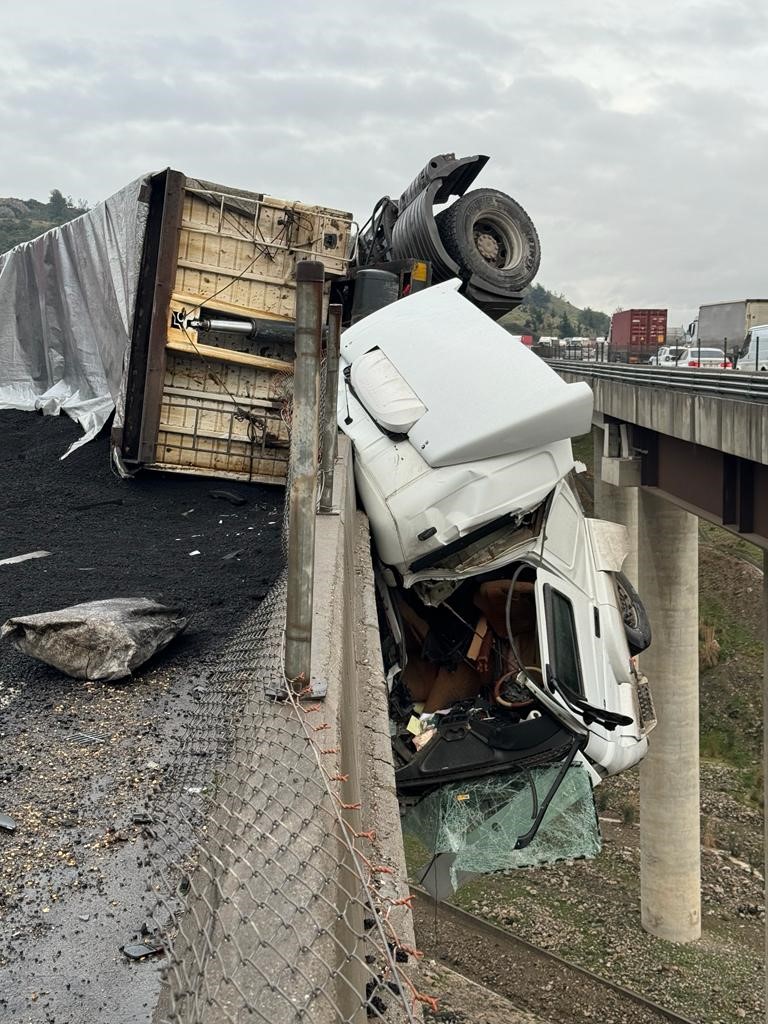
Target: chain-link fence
x: 270, y: 903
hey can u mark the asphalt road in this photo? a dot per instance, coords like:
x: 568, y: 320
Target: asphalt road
x: 82, y: 765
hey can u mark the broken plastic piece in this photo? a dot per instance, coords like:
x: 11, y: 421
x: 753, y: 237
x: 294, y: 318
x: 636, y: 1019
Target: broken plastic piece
x: 7, y: 824
x: 98, y: 639
x: 24, y: 558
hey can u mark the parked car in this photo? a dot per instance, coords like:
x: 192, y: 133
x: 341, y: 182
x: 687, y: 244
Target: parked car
x: 695, y: 357
x: 509, y: 631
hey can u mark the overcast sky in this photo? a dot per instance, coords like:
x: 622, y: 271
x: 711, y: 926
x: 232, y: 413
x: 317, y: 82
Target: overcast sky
x: 635, y: 134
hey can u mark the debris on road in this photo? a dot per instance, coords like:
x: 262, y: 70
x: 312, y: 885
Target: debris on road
x: 141, y: 950
x: 230, y: 496
x: 7, y: 824
x: 24, y: 558
x: 99, y: 639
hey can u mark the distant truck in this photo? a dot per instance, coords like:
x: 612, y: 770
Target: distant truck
x: 725, y: 325
x: 635, y: 335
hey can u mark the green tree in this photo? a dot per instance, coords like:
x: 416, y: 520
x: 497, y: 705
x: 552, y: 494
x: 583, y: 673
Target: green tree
x: 565, y: 327
x: 58, y: 207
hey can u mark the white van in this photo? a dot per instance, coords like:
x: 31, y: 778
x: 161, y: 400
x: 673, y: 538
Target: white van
x: 754, y: 352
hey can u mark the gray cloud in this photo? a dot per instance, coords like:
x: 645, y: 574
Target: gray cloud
x: 635, y: 136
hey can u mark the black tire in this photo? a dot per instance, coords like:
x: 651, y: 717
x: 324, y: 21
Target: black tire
x: 636, y: 625
x: 492, y: 237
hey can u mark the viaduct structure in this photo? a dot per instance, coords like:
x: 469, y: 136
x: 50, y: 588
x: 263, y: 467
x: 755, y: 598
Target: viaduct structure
x: 671, y: 447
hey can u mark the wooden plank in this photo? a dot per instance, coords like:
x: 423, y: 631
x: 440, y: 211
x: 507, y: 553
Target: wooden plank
x: 213, y: 397
x: 311, y: 249
x: 223, y: 474
x: 232, y: 272
x: 227, y: 355
x: 218, y: 304
x: 274, y: 443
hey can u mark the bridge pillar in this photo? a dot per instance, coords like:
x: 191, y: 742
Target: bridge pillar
x: 670, y: 853
x: 597, y: 458
x: 619, y: 505
x: 616, y: 504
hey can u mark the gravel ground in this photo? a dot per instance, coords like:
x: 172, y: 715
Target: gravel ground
x: 81, y: 763
x: 588, y: 912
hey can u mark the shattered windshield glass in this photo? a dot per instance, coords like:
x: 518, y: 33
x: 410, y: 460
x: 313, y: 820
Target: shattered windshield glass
x: 472, y: 827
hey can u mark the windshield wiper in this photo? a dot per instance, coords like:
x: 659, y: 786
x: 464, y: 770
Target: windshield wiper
x: 529, y: 836
x: 608, y: 719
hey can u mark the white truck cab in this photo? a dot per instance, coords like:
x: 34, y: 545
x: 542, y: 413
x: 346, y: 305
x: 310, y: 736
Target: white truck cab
x: 754, y: 353
x: 506, y: 619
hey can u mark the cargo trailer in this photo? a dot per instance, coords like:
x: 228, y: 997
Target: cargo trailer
x: 636, y: 334
x: 725, y: 324
x: 211, y: 355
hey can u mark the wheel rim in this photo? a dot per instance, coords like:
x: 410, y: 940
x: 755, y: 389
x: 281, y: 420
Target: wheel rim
x: 498, y: 240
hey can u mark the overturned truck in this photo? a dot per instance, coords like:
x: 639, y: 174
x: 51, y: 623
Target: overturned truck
x: 172, y: 304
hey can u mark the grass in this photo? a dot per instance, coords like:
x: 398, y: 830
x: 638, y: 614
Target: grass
x: 729, y: 543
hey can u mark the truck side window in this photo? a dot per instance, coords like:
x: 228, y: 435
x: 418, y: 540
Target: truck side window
x: 563, y: 644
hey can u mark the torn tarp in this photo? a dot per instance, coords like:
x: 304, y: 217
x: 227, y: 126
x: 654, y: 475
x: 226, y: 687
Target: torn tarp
x: 97, y: 639
x: 473, y: 827
x: 66, y: 312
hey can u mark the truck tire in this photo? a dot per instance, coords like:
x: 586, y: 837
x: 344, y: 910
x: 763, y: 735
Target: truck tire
x: 489, y: 234
x: 637, y: 628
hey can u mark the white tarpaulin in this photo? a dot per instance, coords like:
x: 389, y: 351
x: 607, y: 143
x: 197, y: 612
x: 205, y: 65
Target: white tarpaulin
x: 66, y: 312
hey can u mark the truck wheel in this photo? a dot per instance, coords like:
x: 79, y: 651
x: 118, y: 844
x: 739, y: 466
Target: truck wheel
x: 636, y: 625
x: 489, y: 234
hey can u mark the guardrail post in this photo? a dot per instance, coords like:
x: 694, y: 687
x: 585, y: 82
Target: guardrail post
x: 303, y: 473
x: 329, y: 428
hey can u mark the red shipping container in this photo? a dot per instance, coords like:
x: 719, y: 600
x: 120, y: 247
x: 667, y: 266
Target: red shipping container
x: 637, y: 334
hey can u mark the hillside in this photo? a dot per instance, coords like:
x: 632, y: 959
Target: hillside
x: 22, y: 219
x: 544, y: 312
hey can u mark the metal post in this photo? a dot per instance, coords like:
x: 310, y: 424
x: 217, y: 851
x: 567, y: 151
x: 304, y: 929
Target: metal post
x: 757, y: 353
x: 303, y: 473
x: 329, y: 428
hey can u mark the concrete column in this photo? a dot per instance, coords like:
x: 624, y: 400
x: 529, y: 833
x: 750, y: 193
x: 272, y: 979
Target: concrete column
x: 670, y: 852
x: 597, y: 458
x: 619, y: 505
x: 616, y: 504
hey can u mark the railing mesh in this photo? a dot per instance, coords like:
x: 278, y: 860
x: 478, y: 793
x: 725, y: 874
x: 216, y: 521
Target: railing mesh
x: 269, y: 903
